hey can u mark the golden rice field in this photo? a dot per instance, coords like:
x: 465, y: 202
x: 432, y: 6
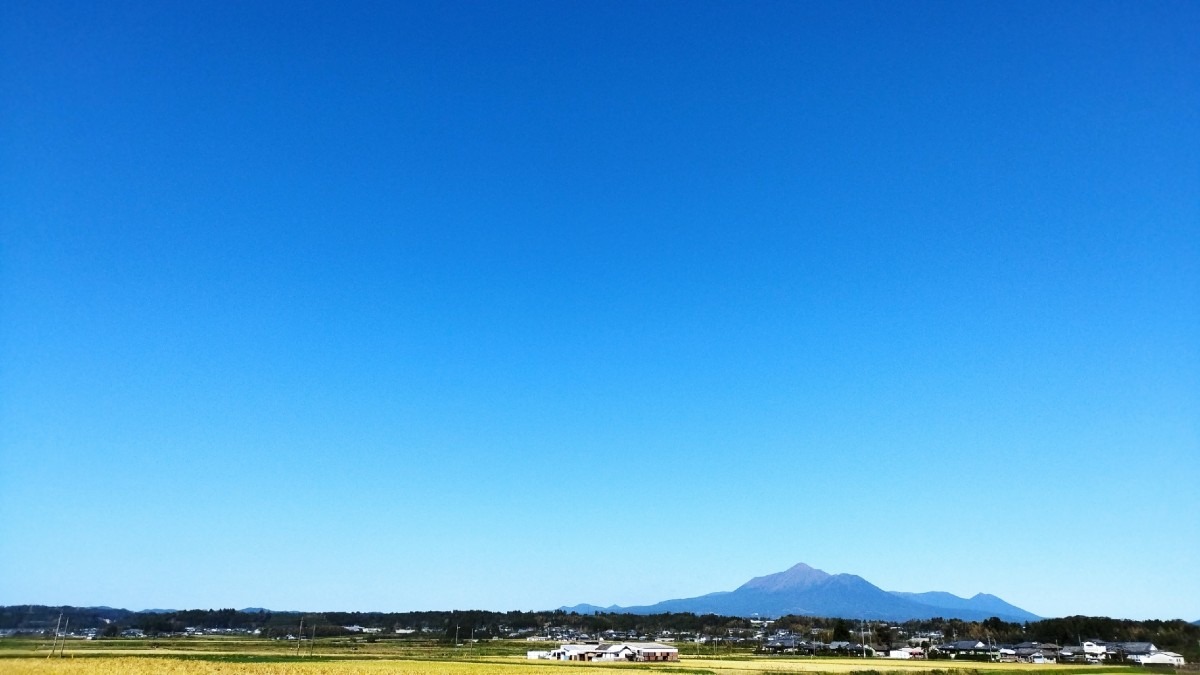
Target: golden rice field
x: 171, y: 665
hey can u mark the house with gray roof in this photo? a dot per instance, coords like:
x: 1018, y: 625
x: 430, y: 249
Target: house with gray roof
x: 600, y: 651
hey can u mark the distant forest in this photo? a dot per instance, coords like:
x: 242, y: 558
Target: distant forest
x: 1175, y: 635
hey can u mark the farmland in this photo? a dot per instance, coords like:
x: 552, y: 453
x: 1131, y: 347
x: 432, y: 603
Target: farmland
x: 200, y: 665
x: 336, y: 657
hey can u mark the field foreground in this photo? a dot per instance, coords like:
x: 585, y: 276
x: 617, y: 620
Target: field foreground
x: 193, y: 656
x: 212, y: 665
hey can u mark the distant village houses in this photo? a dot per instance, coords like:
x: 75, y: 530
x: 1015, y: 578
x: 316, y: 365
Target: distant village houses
x: 600, y: 651
x: 1088, y: 651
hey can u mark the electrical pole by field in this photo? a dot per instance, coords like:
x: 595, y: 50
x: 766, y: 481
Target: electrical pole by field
x: 54, y: 642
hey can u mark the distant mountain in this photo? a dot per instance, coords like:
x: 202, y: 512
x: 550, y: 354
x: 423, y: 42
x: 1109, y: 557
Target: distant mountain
x: 810, y: 591
x: 982, y: 602
x: 585, y: 608
x: 157, y: 611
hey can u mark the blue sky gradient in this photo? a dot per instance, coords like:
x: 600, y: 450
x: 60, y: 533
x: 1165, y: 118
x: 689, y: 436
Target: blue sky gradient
x: 381, y: 306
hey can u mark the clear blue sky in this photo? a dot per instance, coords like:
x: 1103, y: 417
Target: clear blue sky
x: 399, y: 306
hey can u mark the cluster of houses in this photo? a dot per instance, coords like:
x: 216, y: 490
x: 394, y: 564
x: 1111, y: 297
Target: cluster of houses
x: 1091, y: 651
x: 136, y: 633
x: 786, y: 643
x: 615, y: 651
x: 81, y: 634
x: 566, y: 634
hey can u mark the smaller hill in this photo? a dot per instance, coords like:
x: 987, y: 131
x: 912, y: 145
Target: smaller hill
x: 978, y: 603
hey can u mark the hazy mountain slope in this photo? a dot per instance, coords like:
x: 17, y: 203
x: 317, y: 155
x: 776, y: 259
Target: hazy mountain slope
x: 980, y: 602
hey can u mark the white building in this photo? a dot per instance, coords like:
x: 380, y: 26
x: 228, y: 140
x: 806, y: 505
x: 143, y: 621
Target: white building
x: 1161, y: 659
x: 619, y: 651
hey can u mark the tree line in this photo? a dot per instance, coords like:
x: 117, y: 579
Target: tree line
x: 1174, y: 635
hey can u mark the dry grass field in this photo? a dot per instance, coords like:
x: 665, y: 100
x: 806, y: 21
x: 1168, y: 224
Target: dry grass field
x: 186, y: 666
x: 342, y: 657
x: 191, y: 665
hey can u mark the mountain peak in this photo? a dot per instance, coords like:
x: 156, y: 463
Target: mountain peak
x: 806, y: 590
x: 797, y: 576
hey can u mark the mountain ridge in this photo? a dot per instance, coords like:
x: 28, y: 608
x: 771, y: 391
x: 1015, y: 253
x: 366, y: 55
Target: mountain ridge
x: 805, y: 590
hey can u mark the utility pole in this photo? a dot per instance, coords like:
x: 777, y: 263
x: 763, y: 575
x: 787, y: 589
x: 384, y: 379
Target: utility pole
x: 312, y: 640
x: 300, y: 636
x: 54, y: 641
x: 63, y: 646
